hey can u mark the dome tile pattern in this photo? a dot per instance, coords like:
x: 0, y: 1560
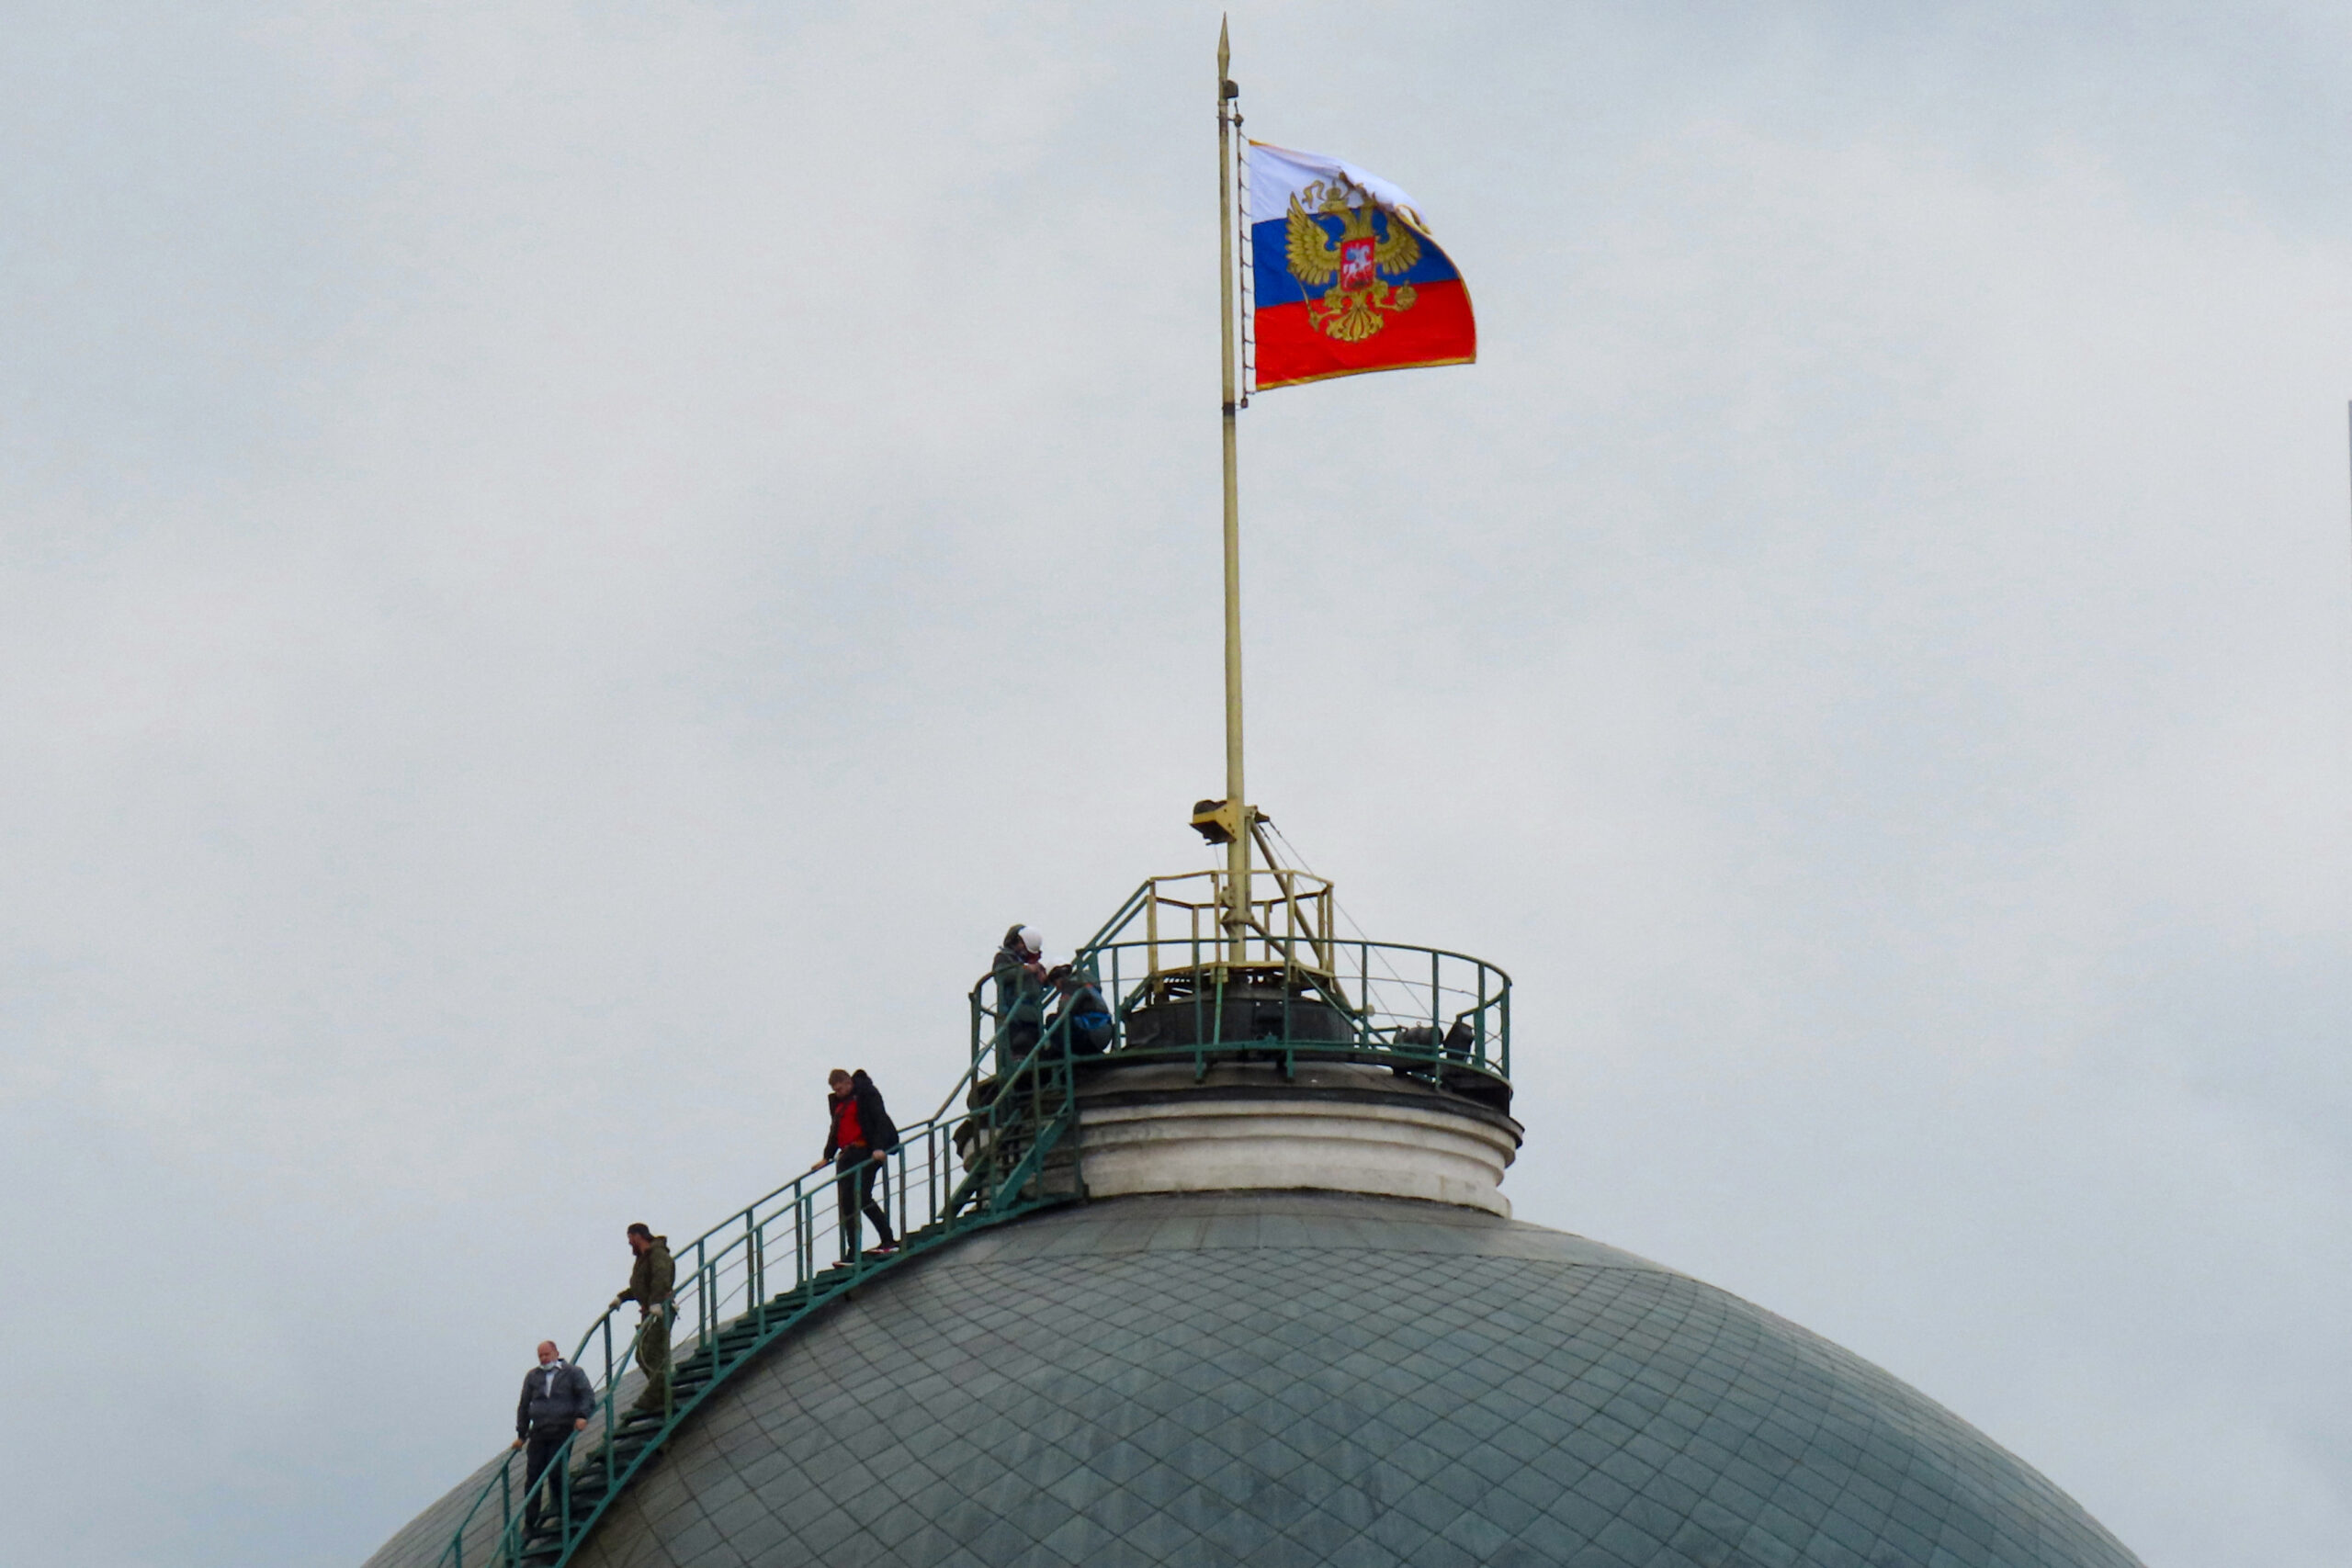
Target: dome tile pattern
x: 1284, y: 1379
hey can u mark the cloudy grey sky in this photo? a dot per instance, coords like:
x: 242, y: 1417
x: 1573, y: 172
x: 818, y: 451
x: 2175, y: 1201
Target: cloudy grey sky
x: 565, y: 567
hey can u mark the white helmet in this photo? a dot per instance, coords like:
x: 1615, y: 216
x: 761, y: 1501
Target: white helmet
x: 1033, y: 942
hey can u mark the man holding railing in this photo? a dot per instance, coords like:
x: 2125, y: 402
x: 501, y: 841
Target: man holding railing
x: 557, y: 1402
x: 650, y: 1279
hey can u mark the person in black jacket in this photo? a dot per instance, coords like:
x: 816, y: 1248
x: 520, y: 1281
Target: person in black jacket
x: 557, y: 1402
x: 859, y: 1135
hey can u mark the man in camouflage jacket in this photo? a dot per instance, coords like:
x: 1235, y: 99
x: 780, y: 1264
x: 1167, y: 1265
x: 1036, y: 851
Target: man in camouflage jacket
x: 650, y: 1280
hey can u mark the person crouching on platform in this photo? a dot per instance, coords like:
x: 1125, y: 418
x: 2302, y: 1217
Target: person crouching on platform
x: 1083, y: 1015
x: 859, y: 1136
x: 651, y: 1279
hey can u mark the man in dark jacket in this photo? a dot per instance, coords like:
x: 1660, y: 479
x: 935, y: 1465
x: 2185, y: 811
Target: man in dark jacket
x: 650, y: 1279
x: 557, y: 1402
x: 859, y: 1135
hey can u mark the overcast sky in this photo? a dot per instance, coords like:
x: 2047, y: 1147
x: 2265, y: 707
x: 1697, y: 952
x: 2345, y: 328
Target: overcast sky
x: 566, y: 569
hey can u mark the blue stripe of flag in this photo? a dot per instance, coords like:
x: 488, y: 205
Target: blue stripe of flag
x: 1276, y: 285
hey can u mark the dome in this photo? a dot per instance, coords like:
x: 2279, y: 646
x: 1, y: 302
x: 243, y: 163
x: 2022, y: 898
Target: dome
x: 1295, y: 1378
x: 1229, y: 1278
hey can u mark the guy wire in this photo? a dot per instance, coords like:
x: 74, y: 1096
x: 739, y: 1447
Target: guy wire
x: 1362, y: 935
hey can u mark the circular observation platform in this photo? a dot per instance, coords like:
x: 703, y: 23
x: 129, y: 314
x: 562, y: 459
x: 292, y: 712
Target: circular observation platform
x: 1285, y: 1057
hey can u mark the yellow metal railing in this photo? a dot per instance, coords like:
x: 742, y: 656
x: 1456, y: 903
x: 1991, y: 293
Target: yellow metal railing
x: 1286, y: 923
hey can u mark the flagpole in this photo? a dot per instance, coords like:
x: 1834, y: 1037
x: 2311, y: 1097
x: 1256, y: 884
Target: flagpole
x: 1236, y: 806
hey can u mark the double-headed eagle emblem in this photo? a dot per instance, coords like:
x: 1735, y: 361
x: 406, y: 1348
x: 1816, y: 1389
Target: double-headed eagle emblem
x: 1359, y: 306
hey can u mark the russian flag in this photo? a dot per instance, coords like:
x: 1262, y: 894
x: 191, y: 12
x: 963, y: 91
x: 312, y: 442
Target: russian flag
x: 1346, y: 275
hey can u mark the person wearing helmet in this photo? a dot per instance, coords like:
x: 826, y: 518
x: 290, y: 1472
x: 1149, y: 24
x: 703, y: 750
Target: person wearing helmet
x: 1019, y: 971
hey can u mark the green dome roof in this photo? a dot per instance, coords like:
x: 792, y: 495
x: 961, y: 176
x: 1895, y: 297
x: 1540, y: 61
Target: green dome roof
x: 1284, y: 1379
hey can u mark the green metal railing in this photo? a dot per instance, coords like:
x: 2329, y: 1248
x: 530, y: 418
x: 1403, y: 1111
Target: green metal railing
x: 1427, y: 1011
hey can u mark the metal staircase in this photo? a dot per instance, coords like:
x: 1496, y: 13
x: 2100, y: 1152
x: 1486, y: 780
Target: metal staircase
x: 751, y: 1281
x: 1003, y: 1145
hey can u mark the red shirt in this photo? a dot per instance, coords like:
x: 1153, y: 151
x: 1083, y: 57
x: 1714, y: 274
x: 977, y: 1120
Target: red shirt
x: 846, y: 1132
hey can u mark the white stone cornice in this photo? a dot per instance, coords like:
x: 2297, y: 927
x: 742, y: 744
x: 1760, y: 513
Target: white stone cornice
x: 1335, y: 1128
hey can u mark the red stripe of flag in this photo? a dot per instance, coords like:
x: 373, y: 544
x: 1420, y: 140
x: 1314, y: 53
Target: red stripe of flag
x: 1437, y: 329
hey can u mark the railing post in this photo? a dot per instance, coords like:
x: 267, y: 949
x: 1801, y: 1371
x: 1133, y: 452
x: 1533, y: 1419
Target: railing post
x: 1437, y: 1006
x: 1485, y: 1024
x: 1506, y: 1029
x: 505, y: 1508
x: 1036, y: 1083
